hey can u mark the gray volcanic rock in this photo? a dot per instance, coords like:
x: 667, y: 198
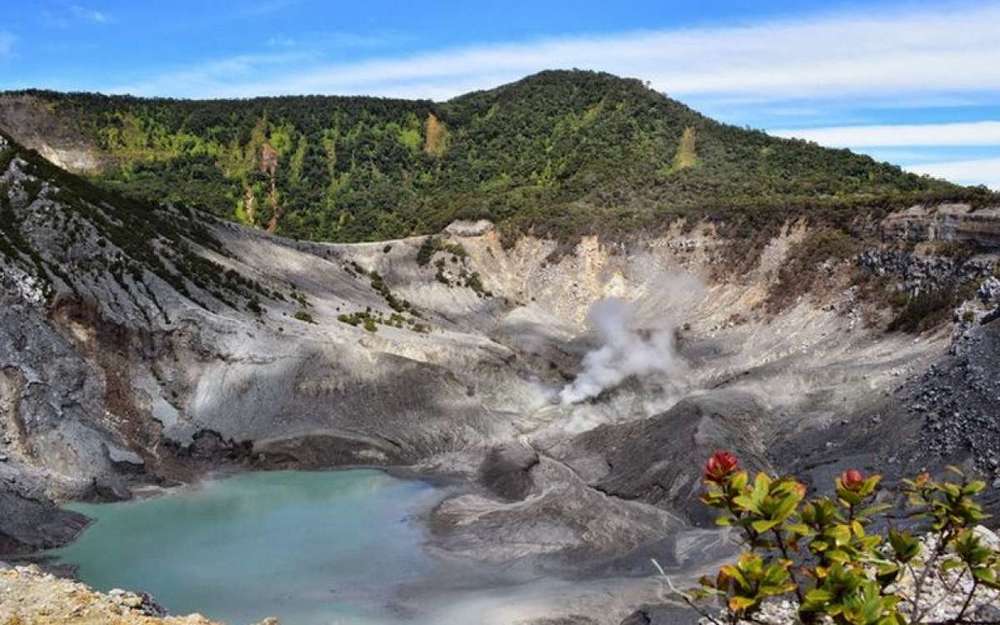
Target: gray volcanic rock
x: 506, y: 471
x: 642, y: 456
x: 30, y: 524
x: 563, y: 526
x: 956, y: 401
x: 946, y: 222
x: 662, y: 615
x: 54, y: 137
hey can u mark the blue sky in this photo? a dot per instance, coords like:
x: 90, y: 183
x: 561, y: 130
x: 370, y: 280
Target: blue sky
x: 915, y: 83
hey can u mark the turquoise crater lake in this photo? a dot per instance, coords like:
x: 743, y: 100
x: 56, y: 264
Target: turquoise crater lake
x: 310, y: 548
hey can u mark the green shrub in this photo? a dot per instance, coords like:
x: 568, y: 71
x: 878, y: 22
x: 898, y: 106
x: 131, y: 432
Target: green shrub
x: 303, y: 315
x: 834, y: 554
x: 426, y: 251
x: 924, y: 310
x: 370, y: 320
x: 475, y: 282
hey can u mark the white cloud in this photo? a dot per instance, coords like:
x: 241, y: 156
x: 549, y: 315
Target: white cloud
x: 965, y: 134
x: 962, y: 133
x: 980, y: 171
x: 903, y: 54
x: 206, y: 79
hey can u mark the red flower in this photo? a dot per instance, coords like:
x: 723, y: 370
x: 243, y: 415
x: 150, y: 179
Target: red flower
x: 852, y: 479
x: 720, y: 466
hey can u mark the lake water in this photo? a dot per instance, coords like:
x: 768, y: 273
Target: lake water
x: 311, y: 548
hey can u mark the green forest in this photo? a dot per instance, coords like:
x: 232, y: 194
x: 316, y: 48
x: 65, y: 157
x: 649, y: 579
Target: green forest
x: 560, y: 153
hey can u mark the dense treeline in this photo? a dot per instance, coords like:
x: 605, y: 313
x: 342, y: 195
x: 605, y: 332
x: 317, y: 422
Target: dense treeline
x: 559, y: 153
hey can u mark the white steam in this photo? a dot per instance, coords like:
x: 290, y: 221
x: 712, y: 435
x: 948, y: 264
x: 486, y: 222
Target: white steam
x: 636, y: 339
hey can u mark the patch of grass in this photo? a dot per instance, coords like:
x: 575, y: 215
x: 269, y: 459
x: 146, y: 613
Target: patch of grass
x: 924, y: 311
x: 686, y: 156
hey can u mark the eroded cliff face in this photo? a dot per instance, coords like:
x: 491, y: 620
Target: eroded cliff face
x: 126, y: 360
x: 950, y: 223
x: 39, y: 128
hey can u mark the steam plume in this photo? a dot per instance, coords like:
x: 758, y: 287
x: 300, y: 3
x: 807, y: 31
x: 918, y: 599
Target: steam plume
x: 628, y: 348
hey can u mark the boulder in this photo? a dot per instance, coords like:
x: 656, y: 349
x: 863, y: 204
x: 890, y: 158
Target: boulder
x: 506, y: 471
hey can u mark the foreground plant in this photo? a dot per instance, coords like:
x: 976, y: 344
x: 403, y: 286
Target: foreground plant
x: 824, y: 552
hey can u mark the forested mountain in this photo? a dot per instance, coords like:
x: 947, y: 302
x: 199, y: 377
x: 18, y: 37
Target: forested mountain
x: 560, y: 153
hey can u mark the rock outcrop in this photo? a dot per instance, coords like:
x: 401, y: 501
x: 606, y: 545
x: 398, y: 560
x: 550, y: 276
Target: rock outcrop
x: 38, y: 127
x: 958, y: 223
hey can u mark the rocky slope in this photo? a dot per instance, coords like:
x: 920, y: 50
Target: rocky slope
x: 31, y: 596
x: 143, y: 344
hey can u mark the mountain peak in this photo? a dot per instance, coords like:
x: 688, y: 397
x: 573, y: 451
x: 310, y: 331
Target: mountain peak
x: 560, y: 153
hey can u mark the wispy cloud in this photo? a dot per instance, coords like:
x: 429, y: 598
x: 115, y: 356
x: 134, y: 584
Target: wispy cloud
x: 338, y: 40
x: 847, y: 55
x: 890, y: 135
x: 70, y: 15
x: 980, y: 171
x: 267, y: 7
x: 89, y: 15
x: 6, y: 45
x: 206, y: 79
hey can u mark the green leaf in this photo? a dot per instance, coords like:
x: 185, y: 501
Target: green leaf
x: 764, y: 525
x: 786, y: 507
x: 837, y: 555
x: 745, y: 502
x: 952, y: 563
x: 739, y: 604
x: 987, y: 576
x: 799, y: 528
x: 858, y: 530
x: 874, y: 509
x: 761, y: 487
x: 974, y: 487
x: 841, y: 534
x: 818, y: 595
x: 739, y: 480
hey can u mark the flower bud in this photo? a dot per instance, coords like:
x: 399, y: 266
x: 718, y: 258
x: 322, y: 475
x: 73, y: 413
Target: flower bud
x: 720, y: 466
x: 852, y: 479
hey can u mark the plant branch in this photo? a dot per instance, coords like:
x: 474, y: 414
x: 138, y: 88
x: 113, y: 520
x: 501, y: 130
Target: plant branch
x: 791, y: 570
x: 918, y: 587
x: 683, y: 595
x: 968, y: 600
